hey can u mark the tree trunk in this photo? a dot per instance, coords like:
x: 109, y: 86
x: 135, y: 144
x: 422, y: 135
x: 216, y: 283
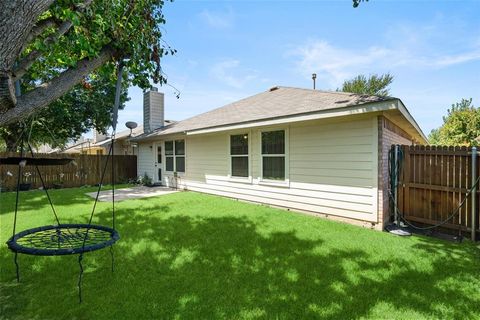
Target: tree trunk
x: 12, y: 138
x: 10, y: 143
x: 7, y: 91
x: 17, y: 18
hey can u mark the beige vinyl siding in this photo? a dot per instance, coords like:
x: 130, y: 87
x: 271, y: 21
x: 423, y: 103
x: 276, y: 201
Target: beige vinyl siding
x: 335, y: 153
x: 331, y: 168
x: 207, y: 155
x: 145, y: 160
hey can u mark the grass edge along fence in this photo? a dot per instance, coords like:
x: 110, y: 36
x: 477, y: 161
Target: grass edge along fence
x: 433, y: 182
x: 83, y: 170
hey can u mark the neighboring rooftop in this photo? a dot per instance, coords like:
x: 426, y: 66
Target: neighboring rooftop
x: 276, y: 102
x: 126, y: 134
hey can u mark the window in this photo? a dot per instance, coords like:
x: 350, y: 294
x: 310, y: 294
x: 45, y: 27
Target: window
x: 239, y: 155
x: 273, y: 155
x: 180, y: 155
x: 175, y: 155
x: 169, y: 156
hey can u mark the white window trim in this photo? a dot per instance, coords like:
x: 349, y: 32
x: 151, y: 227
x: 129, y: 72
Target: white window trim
x: 174, y: 156
x: 231, y: 178
x: 269, y: 182
x: 166, y: 156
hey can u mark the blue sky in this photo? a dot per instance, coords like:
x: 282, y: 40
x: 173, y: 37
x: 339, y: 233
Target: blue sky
x: 228, y: 50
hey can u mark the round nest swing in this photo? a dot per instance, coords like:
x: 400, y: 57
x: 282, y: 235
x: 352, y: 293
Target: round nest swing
x: 63, y: 239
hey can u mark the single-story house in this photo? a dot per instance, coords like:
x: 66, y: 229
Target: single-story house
x: 123, y: 141
x: 320, y: 152
x: 122, y: 146
x: 100, y: 144
x: 81, y: 145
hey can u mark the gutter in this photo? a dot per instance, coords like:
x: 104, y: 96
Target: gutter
x: 151, y: 136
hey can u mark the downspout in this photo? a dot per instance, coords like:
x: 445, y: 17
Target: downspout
x: 395, y: 183
x: 474, y: 193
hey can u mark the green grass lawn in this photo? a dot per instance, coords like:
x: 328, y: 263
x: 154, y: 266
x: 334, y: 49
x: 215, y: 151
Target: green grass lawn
x: 193, y: 256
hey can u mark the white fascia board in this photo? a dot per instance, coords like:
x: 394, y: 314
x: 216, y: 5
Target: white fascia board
x: 331, y: 113
x: 404, y: 111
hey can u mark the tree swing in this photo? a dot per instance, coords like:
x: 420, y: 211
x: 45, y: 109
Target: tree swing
x: 71, y: 238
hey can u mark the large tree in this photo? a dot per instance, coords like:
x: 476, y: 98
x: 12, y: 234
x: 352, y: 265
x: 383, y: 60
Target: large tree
x: 59, y: 44
x: 461, y: 126
x: 88, y: 105
x: 373, y: 85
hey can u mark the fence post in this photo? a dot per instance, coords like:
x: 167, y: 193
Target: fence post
x: 474, y: 192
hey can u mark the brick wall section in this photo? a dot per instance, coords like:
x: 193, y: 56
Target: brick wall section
x: 388, y: 134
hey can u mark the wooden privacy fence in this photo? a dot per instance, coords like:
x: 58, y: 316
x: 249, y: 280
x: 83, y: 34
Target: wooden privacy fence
x: 433, y: 181
x: 83, y: 170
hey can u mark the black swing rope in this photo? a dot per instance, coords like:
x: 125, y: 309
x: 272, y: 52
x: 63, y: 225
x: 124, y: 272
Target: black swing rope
x: 88, y: 226
x: 46, y: 231
x: 19, y: 173
x: 44, y: 187
x: 111, y: 153
x: 80, y: 257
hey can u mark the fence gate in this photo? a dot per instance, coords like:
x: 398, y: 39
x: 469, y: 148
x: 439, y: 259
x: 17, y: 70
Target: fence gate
x: 433, y: 182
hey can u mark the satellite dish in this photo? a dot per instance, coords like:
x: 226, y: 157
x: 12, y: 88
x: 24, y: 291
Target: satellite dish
x: 131, y: 125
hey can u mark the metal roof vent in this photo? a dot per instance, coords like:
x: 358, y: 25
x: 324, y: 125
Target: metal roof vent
x: 274, y: 88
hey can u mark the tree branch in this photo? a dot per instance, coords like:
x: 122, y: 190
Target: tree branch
x: 22, y: 67
x: 42, y: 96
x: 39, y: 28
x: 44, y: 24
x: 82, y: 6
x: 24, y: 64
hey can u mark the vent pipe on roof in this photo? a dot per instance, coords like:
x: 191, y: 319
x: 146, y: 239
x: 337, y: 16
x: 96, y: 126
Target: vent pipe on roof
x: 273, y: 88
x: 314, y: 76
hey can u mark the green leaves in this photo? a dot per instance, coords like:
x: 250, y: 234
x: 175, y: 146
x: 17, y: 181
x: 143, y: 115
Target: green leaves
x: 461, y: 126
x: 132, y: 28
x: 373, y: 85
x: 356, y: 3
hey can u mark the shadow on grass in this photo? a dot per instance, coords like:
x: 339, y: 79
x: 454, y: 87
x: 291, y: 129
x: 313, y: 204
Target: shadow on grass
x: 192, y: 267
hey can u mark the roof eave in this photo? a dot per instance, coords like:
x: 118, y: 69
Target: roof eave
x: 389, y: 104
x: 408, y: 116
x: 377, y: 106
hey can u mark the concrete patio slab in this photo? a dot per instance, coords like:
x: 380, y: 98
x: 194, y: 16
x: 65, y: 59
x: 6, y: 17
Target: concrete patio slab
x: 132, y: 193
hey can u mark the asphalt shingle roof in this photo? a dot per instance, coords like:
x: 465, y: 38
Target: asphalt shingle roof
x: 275, y: 103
